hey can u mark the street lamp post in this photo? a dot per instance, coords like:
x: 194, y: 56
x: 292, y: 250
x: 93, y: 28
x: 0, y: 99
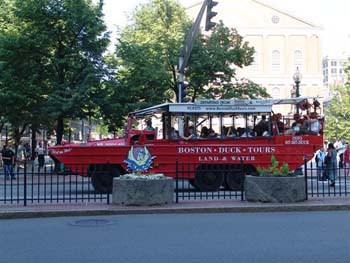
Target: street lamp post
x: 297, y: 79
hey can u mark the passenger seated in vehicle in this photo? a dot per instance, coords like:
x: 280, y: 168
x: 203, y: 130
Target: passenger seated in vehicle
x: 232, y: 132
x: 248, y: 133
x: 305, y: 125
x: 262, y: 126
x: 149, y: 126
x: 191, y: 135
x: 279, y: 123
x: 204, y: 132
x: 294, y: 129
x: 240, y: 131
x: 174, y: 134
x: 314, y: 124
x: 212, y: 134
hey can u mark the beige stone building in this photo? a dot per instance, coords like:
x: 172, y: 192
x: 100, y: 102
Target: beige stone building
x: 282, y: 43
x: 333, y: 70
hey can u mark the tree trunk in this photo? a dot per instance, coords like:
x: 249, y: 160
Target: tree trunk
x: 33, y: 139
x: 59, y: 130
x: 59, y: 136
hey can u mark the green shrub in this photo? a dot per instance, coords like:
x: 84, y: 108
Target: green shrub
x: 274, y: 169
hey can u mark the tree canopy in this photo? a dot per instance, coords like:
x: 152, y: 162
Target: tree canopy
x: 53, y: 65
x: 51, y: 58
x: 338, y: 112
x: 147, y: 55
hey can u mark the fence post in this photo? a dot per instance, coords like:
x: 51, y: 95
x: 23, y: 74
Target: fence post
x: 177, y: 182
x: 242, y: 181
x: 25, y: 184
x: 305, y: 176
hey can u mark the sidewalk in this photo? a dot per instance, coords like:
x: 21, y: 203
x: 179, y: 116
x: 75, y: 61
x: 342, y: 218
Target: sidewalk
x: 198, y: 206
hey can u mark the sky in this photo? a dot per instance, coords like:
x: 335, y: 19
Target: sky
x: 332, y: 15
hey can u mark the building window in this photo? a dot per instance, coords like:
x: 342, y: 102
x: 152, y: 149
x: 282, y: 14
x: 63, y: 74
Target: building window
x: 333, y: 63
x: 276, y: 92
x: 298, y: 60
x: 276, y: 61
x: 255, y: 64
x: 334, y: 71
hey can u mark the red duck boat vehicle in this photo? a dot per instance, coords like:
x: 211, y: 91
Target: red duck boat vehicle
x: 204, y: 134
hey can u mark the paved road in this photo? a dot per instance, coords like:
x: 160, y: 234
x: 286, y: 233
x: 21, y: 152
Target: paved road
x: 251, y: 237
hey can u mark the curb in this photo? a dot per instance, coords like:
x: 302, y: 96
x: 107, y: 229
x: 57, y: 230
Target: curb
x: 177, y: 210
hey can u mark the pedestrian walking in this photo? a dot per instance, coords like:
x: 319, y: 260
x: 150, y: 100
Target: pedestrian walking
x: 331, y: 160
x: 8, y: 157
x: 21, y: 155
x: 347, y: 159
x: 40, y: 151
x: 320, y: 158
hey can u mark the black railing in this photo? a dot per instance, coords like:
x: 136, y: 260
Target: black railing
x: 320, y: 185
x: 45, y: 185
x: 187, y: 188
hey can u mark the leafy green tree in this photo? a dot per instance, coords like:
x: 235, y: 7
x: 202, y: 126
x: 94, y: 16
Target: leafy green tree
x: 19, y: 79
x: 338, y: 112
x: 148, y: 50
x: 147, y: 58
x: 60, y: 45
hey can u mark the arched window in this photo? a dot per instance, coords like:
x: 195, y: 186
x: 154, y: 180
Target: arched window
x: 298, y: 60
x: 276, y: 92
x: 275, y: 61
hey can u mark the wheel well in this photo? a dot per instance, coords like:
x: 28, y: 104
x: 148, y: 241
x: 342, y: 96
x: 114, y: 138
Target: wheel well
x: 105, y: 167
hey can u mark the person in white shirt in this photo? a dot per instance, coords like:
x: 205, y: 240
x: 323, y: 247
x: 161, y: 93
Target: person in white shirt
x: 319, y: 158
x: 40, y: 151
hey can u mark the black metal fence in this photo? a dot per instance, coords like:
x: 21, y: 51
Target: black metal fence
x: 217, y: 182
x: 320, y: 185
x: 33, y: 184
x: 44, y: 185
x: 317, y: 183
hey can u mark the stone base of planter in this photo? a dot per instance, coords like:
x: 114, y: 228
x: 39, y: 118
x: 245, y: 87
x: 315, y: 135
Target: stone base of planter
x: 288, y: 189
x: 144, y: 192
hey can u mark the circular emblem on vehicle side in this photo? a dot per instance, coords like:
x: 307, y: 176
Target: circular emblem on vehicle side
x: 139, y: 159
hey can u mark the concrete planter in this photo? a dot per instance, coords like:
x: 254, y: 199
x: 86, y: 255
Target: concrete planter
x: 145, y: 192
x: 275, y: 189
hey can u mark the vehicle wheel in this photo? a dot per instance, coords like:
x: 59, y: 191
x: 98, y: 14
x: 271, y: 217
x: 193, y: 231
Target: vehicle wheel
x: 193, y: 183
x: 234, y: 180
x: 102, y: 178
x: 234, y: 177
x: 208, y: 179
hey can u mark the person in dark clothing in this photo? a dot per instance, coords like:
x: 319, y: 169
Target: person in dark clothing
x: 8, y: 157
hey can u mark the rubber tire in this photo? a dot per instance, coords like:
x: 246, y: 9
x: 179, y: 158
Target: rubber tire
x: 193, y: 183
x: 234, y: 181
x: 234, y: 178
x: 207, y: 179
x: 102, y: 180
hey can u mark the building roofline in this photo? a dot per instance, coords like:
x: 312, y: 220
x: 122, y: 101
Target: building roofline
x: 287, y: 13
x: 260, y: 2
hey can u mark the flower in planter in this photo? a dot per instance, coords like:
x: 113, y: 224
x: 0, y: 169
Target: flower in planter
x: 142, y: 176
x: 274, y: 169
